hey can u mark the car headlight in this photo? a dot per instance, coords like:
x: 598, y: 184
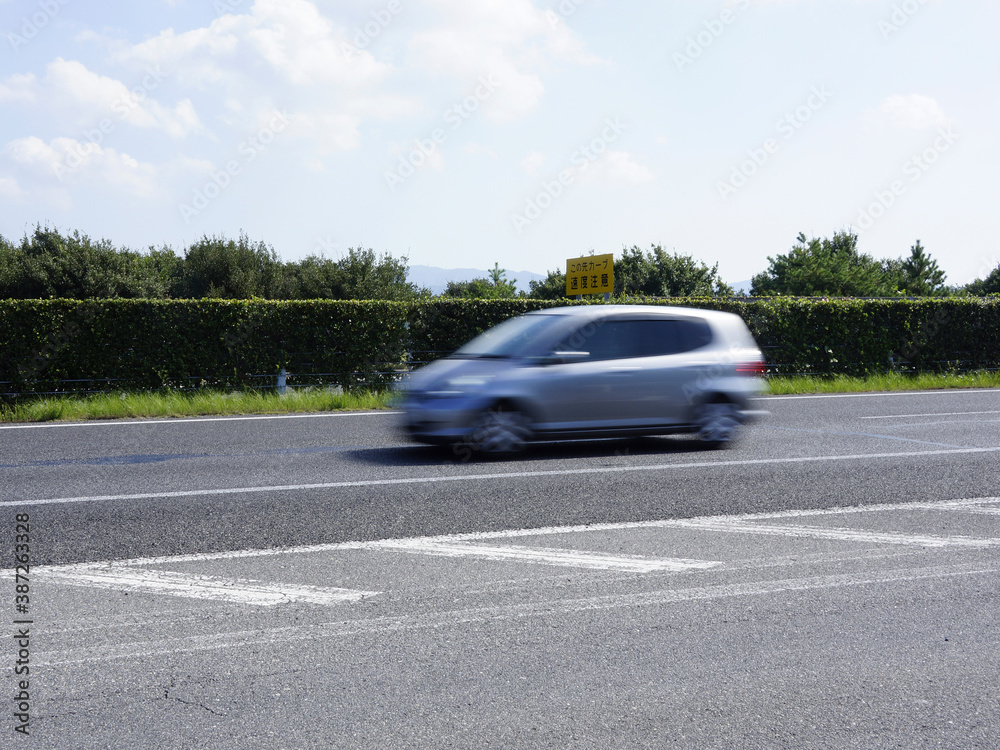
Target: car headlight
x: 461, y: 385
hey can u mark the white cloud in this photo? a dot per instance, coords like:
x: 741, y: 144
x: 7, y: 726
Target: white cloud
x: 280, y: 51
x: 84, y: 98
x: 19, y: 89
x: 533, y: 162
x: 506, y: 40
x: 913, y: 111
x: 9, y: 189
x: 477, y: 149
x: 615, y: 168
x: 287, y: 37
x: 73, y: 163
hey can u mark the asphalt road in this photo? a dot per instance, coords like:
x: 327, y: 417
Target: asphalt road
x: 318, y: 582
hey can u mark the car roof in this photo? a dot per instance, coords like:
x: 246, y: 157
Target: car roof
x: 590, y: 311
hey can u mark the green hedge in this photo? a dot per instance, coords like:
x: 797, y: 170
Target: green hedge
x: 177, y: 344
x: 182, y: 343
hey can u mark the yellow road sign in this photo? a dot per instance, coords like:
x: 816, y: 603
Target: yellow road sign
x: 594, y: 274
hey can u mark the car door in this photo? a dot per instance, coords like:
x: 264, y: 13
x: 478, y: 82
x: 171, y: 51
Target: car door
x: 675, y: 359
x: 595, y: 379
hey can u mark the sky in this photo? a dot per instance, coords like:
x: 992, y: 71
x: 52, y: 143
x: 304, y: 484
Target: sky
x: 462, y: 133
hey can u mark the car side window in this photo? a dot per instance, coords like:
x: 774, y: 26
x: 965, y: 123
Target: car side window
x: 660, y: 337
x: 694, y: 334
x: 607, y: 339
x: 621, y: 339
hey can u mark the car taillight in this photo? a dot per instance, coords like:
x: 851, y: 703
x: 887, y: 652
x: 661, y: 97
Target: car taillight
x: 751, y: 368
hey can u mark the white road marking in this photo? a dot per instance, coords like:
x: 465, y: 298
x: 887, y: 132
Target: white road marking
x: 934, y: 414
x: 495, y: 475
x: 285, y: 636
x: 188, y: 420
x: 881, y: 394
x: 124, y: 578
x: 547, y: 556
x: 961, y: 505
x: 837, y: 534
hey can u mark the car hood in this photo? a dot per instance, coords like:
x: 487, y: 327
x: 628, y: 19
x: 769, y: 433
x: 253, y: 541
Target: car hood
x: 442, y: 374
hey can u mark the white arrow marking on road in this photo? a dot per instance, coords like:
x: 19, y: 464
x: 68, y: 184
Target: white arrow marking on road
x: 121, y: 578
x: 547, y: 556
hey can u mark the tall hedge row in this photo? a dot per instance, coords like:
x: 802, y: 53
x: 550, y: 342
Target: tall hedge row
x: 50, y: 345
x: 177, y: 344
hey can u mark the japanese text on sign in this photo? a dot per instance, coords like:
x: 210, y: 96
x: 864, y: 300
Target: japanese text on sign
x: 594, y: 274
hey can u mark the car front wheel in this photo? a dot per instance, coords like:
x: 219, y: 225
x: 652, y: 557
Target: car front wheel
x: 500, y: 430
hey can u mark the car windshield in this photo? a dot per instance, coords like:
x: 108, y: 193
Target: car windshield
x: 512, y: 338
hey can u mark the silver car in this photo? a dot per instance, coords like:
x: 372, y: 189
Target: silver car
x: 589, y: 371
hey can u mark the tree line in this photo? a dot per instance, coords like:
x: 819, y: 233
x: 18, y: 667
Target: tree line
x: 47, y: 264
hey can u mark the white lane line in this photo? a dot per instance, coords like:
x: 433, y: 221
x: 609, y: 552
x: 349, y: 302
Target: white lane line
x: 840, y: 535
x: 886, y: 394
x: 285, y: 636
x: 962, y: 505
x: 122, y: 578
x: 547, y: 556
x: 933, y: 414
x: 188, y: 420
x: 497, y: 475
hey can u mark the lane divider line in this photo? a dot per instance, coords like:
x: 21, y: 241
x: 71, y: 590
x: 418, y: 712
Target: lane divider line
x: 961, y: 505
x: 188, y: 420
x: 934, y: 414
x: 496, y: 475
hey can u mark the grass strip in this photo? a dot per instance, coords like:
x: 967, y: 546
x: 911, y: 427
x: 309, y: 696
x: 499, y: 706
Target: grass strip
x: 784, y: 385
x: 214, y: 403
x: 189, y: 404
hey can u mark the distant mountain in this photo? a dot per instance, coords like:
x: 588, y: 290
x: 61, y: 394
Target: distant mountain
x: 436, y: 279
x: 742, y: 287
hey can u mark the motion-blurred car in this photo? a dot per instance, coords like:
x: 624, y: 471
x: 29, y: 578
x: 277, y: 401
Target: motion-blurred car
x: 589, y: 371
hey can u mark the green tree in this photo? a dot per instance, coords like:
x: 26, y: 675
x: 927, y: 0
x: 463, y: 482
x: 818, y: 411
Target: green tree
x: 660, y: 274
x: 314, y: 277
x: 987, y: 286
x: 827, y: 267
x: 553, y: 286
x: 47, y: 264
x: 920, y: 275
x: 223, y: 268
x: 363, y: 275
x: 495, y: 287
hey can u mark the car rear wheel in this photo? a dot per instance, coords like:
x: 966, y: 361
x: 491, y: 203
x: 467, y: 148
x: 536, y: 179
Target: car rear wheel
x: 718, y: 423
x: 500, y: 430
